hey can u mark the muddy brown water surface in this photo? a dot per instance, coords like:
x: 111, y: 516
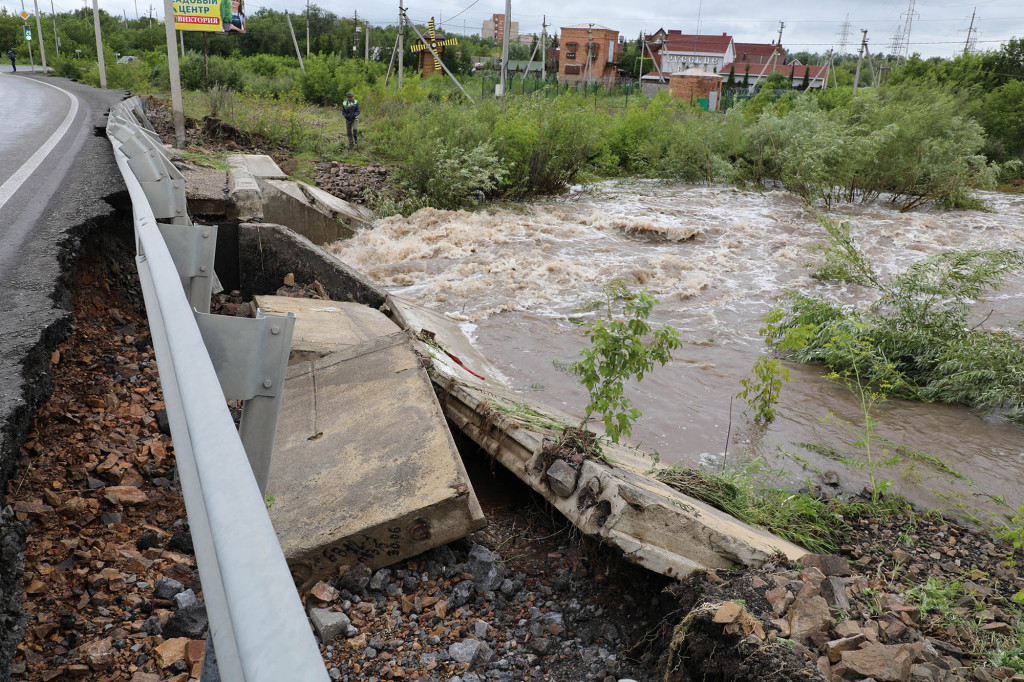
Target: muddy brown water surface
x: 717, y: 258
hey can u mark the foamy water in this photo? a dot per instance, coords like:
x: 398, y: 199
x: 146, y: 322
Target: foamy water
x: 717, y: 258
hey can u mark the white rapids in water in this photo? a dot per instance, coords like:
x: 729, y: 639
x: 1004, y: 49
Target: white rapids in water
x: 717, y: 258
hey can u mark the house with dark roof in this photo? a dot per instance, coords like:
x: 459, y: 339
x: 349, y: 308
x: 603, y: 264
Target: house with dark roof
x: 675, y: 51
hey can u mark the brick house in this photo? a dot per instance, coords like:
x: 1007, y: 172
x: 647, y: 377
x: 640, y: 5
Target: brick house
x: 600, y: 43
x: 698, y: 87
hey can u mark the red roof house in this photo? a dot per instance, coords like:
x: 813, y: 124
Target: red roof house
x: 816, y: 75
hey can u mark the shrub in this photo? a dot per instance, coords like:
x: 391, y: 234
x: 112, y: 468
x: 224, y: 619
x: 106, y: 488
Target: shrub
x: 226, y: 73
x: 908, y: 143
x: 544, y: 145
x: 66, y: 67
x: 1003, y: 119
x: 451, y: 177
x: 915, y: 341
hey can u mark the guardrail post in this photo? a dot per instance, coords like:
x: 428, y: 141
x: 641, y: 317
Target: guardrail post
x: 193, y: 248
x: 250, y: 356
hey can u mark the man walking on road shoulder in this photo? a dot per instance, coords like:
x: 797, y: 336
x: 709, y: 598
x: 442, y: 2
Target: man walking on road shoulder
x: 10, y: 55
x: 350, y: 110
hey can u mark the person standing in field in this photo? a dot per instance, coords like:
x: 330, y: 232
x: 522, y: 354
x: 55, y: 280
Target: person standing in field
x: 350, y: 110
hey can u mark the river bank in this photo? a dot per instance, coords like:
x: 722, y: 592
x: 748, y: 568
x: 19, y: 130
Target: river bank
x: 109, y: 568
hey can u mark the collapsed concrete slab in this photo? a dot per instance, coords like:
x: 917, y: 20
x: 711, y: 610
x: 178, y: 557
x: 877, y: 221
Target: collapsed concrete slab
x: 652, y: 524
x: 323, y: 327
x: 268, y: 252
x: 444, y: 341
x: 205, y: 190
x: 364, y: 467
x: 315, y: 214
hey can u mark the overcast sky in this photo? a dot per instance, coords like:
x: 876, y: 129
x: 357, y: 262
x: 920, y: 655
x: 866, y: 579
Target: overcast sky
x: 939, y: 28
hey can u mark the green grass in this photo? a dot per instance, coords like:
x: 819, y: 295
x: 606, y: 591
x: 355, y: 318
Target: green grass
x: 205, y: 158
x: 797, y: 517
x: 527, y: 417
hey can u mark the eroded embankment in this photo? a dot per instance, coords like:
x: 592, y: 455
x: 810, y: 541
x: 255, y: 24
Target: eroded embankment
x: 29, y: 359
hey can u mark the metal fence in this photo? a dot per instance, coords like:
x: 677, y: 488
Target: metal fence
x: 258, y: 627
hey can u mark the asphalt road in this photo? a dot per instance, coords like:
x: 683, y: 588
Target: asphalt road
x: 58, y: 179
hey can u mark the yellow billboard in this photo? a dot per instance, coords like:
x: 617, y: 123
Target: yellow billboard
x: 219, y: 16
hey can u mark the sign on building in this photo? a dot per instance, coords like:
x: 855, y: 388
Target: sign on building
x: 217, y: 16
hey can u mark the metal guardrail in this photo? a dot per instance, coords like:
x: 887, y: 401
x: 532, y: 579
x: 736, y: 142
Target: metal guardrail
x: 258, y: 626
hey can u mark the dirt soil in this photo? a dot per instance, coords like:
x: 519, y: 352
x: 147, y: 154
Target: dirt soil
x: 346, y: 181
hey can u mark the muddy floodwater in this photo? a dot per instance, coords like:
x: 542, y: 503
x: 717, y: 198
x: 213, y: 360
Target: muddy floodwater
x: 717, y: 258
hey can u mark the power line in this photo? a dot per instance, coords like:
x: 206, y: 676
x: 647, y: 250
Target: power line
x: 471, y: 4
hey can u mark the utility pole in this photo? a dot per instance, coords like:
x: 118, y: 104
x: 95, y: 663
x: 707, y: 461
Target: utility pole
x: 391, y: 62
x: 137, y: 10
x: 125, y: 17
x: 355, y: 30
x: 829, y: 70
x: 295, y: 42
x: 969, y: 44
x: 860, y: 57
x: 506, y: 28
x: 181, y: 34
x: 56, y: 38
x: 590, y: 57
x: 401, y: 43
x: 544, y: 49
x: 366, y: 42
x: 99, y: 44
x: 175, y: 76
x: 771, y: 59
x: 39, y: 32
x: 31, y: 59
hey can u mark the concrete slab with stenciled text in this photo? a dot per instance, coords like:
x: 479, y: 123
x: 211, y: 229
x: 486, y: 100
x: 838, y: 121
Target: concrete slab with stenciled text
x: 364, y: 467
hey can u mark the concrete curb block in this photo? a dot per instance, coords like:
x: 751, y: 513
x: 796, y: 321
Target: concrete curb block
x: 245, y: 202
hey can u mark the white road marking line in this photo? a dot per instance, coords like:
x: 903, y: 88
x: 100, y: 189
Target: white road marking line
x: 19, y: 177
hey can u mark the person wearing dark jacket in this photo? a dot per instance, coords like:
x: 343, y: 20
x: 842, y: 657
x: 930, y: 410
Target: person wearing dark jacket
x: 10, y: 55
x: 350, y: 110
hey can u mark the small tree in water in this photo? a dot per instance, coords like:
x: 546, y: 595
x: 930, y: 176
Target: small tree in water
x: 621, y: 349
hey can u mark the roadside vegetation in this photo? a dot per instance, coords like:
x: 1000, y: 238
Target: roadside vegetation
x: 937, y: 131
